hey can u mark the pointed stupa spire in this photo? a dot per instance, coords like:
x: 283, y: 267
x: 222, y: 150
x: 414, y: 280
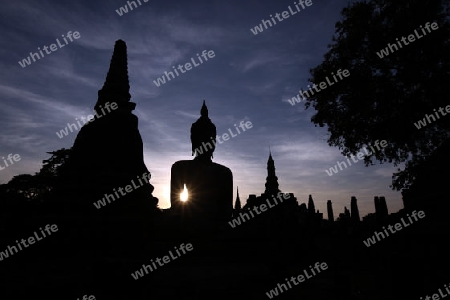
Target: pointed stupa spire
x: 271, y: 179
x: 117, y: 87
x: 204, y: 110
x: 311, y: 206
x: 237, y: 204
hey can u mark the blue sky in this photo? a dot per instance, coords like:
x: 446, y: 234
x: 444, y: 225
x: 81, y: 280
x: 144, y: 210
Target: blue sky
x: 250, y: 78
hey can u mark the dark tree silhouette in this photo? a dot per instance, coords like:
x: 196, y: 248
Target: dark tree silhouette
x: 36, y: 187
x: 383, y: 97
x: 23, y: 186
x: 52, y: 167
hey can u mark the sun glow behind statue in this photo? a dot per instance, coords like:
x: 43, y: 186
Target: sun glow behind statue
x: 184, y: 195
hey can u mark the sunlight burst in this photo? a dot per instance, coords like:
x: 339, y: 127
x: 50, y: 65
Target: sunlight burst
x: 184, y: 194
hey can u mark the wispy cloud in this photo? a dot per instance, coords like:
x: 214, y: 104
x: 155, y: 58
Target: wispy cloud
x: 249, y: 79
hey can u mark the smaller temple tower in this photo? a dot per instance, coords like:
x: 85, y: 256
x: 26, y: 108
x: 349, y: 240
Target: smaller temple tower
x: 381, y: 207
x: 354, y: 210
x: 311, y: 206
x: 330, y: 211
x: 237, y: 204
x: 271, y: 179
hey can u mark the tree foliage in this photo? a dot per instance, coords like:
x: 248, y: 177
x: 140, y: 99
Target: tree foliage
x: 53, y: 166
x: 383, y: 97
x: 35, y: 187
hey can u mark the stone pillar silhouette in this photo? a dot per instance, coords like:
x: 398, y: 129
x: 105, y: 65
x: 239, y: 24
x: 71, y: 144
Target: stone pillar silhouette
x: 381, y: 211
x: 311, y: 207
x: 330, y: 211
x: 383, y: 207
x: 346, y: 212
x: 311, y: 213
x: 354, y: 210
x: 376, y: 201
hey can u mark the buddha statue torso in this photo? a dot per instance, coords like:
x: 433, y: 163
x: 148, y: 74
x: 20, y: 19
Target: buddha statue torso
x: 209, y: 185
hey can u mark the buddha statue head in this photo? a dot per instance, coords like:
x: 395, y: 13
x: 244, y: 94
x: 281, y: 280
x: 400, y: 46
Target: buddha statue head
x: 203, y: 136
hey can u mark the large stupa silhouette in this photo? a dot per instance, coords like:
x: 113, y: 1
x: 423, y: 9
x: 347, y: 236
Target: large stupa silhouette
x: 105, y: 184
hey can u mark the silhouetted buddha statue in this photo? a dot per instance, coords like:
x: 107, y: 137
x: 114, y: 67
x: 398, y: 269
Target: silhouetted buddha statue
x: 209, y: 185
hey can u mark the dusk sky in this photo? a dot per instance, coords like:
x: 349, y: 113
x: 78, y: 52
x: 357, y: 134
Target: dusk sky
x: 250, y: 78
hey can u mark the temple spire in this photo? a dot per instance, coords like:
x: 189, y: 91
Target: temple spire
x: 311, y: 207
x: 354, y: 209
x: 204, y: 110
x: 271, y: 179
x: 237, y: 204
x: 117, y: 87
